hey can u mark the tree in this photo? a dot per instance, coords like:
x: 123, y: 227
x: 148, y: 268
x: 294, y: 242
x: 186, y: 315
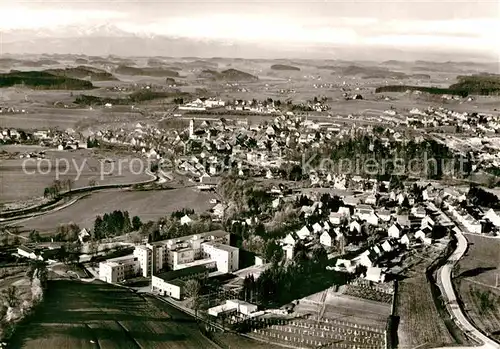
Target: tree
x: 34, y: 236
x: 193, y: 291
x: 69, y: 184
x: 93, y: 247
x: 38, y: 269
x: 11, y: 297
x: 136, y: 223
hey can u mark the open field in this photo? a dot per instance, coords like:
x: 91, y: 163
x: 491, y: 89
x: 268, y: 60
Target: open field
x: 22, y: 179
x: 98, y: 315
x: 475, y: 284
x: 420, y: 323
x: 149, y: 205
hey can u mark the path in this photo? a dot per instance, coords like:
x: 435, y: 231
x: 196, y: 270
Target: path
x: 446, y: 285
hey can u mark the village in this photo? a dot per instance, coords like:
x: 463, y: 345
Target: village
x: 352, y: 235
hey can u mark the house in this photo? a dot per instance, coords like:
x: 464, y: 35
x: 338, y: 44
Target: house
x: 304, y: 232
x: 371, y: 200
x: 355, y: 227
x: 290, y: 239
x: 493, y: 216
x: 418, y: 212
x: 233, y: 306
x: 336, y: 217
x: 185, y: 220
x: 28, y: 253
x: 404, y: 240
x: 420, y: 235
x: 427, y: 221
x: 403, y: 221
x: 386, y: 246
x: 367, y: 258
x: 375, y: 275
x: 346, y: 264
x: 394, y: 231
x: 83, y: 235
x: 326, y: 239
x: 363, y: 210
x: 317, y: 228
x: 345, y: 211
x: 384, y: 215
x: 218, y: 210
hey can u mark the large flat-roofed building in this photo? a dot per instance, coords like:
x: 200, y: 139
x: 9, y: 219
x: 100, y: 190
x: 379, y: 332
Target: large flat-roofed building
x: 226, y: 257
x: 143, y: 254
x: 171, y: 283
x: 176, y: 253
x: 118, y: 269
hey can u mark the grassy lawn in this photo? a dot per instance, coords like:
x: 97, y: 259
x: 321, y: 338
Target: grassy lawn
x: 475, y: 283
x: 98, y: 315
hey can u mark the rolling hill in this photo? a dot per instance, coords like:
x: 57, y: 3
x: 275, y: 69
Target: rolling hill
x: 372, y: 72
x: 284, y: 67
x: 147, y: 71
x: 227, y: 75
x: 43, y: 81
x: 83, y: 72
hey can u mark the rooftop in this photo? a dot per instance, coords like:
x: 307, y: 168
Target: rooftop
x: 220, y: 246
x: 177, y: 274
x: 214, y: 233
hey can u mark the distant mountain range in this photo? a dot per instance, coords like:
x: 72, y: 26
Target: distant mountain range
x: 111, y: 40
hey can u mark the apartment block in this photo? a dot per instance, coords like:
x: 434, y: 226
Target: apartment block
x: 182, y: 252
x: 143, y: 255
x: 118, y: 269
x: 226, y: 257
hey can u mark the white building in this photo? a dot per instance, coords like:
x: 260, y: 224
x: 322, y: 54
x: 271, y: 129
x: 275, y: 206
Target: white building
x: 225, y: 256
x: 233, y: 305
x: 326, y: 239
x: 143, y: 254
x: 28, y: 253
x: 172, y: 283
x: 493, y: 216
x: 118, y: 269
x: 179, y: 252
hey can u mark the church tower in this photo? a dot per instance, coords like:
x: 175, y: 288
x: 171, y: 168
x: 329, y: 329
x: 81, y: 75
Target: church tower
x: 191, y: 128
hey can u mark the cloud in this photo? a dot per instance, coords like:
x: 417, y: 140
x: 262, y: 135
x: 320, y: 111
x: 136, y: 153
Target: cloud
x: 19, y: 18
x: 246, y: 29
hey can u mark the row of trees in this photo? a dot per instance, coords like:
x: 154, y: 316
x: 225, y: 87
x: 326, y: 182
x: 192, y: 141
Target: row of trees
x: 55, y: 189
x: 114, y: 224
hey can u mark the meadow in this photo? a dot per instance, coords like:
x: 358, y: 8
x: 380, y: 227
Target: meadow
x: 148, y: 205
x: 22, y: 179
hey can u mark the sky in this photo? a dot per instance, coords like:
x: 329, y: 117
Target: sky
x: 470, y: 25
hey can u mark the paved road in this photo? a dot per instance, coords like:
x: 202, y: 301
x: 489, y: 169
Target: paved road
x: 449, y: 294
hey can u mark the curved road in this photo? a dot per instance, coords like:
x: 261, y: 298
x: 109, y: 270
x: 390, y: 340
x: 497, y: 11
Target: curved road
x: 446, y: 286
